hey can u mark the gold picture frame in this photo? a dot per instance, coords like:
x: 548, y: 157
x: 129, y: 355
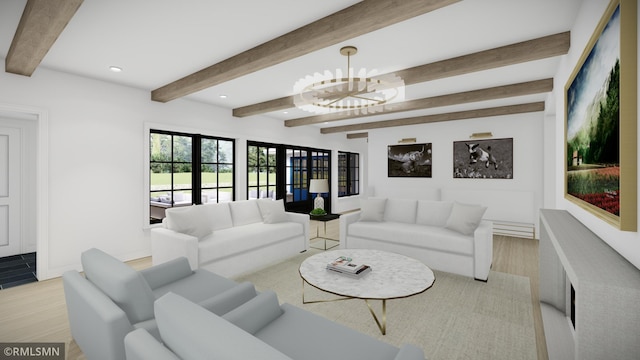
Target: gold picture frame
x: 601, y: 148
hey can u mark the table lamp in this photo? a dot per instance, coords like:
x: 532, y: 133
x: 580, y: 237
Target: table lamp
x: 319, y: 186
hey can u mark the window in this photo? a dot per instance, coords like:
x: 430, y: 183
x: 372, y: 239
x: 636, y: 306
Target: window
x: 261, y: 171
x: 172, y: 180
x: 283, y: 172
x: 348, y: 174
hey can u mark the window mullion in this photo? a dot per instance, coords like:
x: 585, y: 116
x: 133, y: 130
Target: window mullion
x: 196, y: 169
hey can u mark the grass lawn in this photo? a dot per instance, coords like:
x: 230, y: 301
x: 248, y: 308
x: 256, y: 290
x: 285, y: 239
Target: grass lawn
x: 163, y: 180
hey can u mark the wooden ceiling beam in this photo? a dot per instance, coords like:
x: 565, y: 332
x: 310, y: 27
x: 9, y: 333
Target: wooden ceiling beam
x: 41, y: 23
x: 359, y: 135
x: 530, y: 50
x: 361, y: 18
x: 498, y: 92
x: 460, y: 115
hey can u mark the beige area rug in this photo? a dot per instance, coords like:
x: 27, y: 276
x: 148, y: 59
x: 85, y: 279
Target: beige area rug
x: 458, y: 318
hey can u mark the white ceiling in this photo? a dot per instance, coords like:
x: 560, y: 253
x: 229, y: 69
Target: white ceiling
x: 159, y: 41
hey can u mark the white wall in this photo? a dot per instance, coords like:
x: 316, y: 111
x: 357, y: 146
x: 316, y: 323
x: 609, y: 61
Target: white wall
x: 96, y: 133
x: 525, y: 129
x: 626, y: 243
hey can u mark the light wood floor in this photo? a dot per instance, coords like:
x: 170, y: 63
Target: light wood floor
x: 37, y: 312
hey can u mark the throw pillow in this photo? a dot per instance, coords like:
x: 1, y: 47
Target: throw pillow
x: 372, y: 209
x: 191, y: 220
x: 465, y: 218
x: 272, y: 211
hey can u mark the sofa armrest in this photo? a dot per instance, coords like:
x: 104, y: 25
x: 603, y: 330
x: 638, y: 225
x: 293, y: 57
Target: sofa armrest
x: 140, y: 345
x: 483, y: 249
x: 163, y: 274
x: 230, y: 299
x: 304, y: 220
x: 409, y: 352
x: 255, y: 313
x: 168, y: 244
x: 97, y: 324
x: 345, y: 221
x: 192, y: 332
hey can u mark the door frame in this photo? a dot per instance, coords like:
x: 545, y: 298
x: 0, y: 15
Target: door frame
x: 41, y: 117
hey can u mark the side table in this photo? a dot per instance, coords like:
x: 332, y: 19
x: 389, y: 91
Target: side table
x: 324, y: 218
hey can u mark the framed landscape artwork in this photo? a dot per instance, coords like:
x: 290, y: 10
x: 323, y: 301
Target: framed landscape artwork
x: 483, y: 159
x: 409, y: 160
x: 601, y: 121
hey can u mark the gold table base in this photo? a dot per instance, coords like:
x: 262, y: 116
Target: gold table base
x: 382, y: 323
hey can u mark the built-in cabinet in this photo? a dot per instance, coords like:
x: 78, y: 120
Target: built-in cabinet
x: 583, y: 281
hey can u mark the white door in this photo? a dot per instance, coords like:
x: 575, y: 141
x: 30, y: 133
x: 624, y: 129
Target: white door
x: 10, y: 202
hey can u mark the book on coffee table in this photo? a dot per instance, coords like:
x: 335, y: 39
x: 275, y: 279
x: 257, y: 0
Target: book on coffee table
x: 347, y: 266
x: 363, y: 270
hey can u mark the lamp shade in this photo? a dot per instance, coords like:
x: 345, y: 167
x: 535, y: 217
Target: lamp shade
x: 318, y: 186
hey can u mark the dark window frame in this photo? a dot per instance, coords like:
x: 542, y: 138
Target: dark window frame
x: 284, y: 175
x: 196, y: 162
x: 348, y: 174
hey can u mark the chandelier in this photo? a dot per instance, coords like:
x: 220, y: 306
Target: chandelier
x: 361, y: 94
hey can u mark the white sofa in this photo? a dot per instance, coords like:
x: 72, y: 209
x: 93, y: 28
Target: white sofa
x: 259, y: 329
x: 230, y: 238
x: 446, y: 236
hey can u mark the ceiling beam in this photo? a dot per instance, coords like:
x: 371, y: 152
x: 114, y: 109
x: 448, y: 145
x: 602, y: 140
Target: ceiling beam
x: 361, y: 18
x: 531, y: 50
x: 359, y: 135
x: 41, y: 23
x: 460, y: 115
x: 498, y: 92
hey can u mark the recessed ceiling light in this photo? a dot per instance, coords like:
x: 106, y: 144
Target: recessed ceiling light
x: 285, y: 112
x: 115, y: 69
x: 223, y: 96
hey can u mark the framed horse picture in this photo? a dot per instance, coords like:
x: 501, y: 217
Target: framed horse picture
x: 412, y: 160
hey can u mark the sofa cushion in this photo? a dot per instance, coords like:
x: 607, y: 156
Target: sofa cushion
x: 219, y: 215
x: 199, y: 286
x: 428, y: 237
x: 272, y: 211
x: 245, y: 212
x: 372, y: 209
x: 125, y: 286
x: 400, y: 210
x: 433, y: 213
x: 238, y: 239
x: 190, y: 220
x: 192, y: 332
x: 465, y: 218
x: 292, y: 332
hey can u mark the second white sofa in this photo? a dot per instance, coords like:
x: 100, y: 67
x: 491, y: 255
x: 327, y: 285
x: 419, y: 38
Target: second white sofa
x: 446, y: 236
x: 230, y: 238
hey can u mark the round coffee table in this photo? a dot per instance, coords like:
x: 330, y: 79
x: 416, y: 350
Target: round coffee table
x: 392, y: 276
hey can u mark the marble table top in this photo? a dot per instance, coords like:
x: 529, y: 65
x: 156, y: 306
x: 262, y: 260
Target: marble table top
x: 392, y: 275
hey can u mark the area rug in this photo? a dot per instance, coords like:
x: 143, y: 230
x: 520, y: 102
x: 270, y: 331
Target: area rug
x: 458, y: 318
